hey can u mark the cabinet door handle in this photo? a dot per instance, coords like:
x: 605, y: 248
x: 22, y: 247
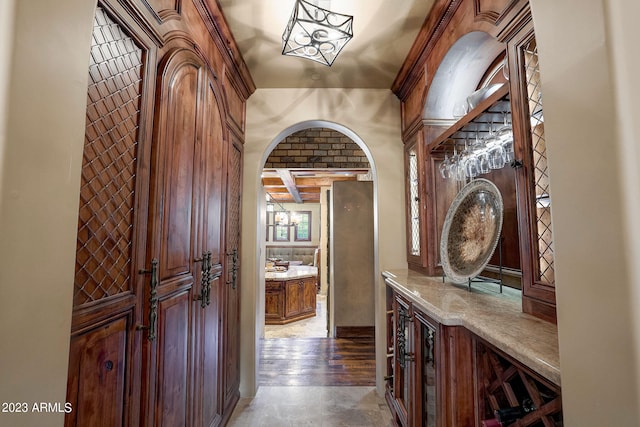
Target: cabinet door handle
x: 153, y: 300
x: 205, y: 280
x: 234, y: 268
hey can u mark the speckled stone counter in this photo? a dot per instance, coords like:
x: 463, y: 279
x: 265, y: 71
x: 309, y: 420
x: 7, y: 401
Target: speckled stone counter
x: 294, y: 272
x: 496, y: 318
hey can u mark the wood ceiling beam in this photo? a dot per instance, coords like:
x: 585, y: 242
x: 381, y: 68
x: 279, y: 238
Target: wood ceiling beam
x: 272, y: 181
x: 304, y: 190
x: 290, y: 183
x: 324, y: 181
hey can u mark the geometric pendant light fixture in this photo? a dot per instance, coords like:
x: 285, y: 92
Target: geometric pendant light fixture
x: 315, y: 33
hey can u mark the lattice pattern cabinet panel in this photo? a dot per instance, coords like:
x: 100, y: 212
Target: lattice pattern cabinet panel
x: 105, y: 226
x: 504, y: 383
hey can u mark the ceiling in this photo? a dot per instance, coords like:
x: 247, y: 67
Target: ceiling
x: 303, y: 185
x: 384, y: 31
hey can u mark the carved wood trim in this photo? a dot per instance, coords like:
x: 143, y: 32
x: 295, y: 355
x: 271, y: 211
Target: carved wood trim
x: 434, y: 26
x: 517, y: 24
x: 89, y: 317
x: 224, y: 40
x: 492, y: 16
x: 164, y: 15
x: 234, y: 93
x: 540, y: 309
x: 135, y: 12
x: 411, y: 130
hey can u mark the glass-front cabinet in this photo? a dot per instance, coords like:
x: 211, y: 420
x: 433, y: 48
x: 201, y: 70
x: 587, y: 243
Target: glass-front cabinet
x: 472, y: 107
x: 404, y: 360
x: 415, y: 207
x: 534, y: 197
x: 412, y: 381
x: 427, y: 372
x: 482, y: 117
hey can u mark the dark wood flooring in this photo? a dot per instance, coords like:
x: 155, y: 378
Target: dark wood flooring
x: 317, y: 362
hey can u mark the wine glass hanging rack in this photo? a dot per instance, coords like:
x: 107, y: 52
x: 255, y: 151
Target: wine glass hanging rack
x: 488, y: 115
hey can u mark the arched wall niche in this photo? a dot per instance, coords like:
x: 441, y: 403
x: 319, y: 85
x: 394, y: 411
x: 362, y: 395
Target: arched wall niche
x: 459, y: 73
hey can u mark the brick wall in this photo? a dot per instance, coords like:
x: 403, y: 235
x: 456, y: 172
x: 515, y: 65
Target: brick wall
x: 317, y: 148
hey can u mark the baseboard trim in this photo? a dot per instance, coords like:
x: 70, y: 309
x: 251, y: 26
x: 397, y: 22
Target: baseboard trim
x: 355, y: 332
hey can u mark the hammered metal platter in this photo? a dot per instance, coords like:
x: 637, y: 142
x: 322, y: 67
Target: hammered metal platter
x: 471, y: 230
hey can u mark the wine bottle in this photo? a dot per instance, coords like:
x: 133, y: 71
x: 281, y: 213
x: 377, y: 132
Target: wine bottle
x: 507, y: 416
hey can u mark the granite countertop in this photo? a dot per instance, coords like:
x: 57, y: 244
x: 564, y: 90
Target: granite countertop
x: 294, y: 272
x: 496, y: 318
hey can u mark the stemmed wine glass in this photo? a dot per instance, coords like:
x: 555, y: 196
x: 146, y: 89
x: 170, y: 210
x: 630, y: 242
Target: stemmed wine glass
x: 469, y: 162
x: 444, y: 167
x: 495, y: 150
x: 455, y: 170
x: 481, y: 154
x: 505, y: 136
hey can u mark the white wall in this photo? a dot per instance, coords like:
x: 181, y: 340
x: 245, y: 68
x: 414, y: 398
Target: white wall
x: 371, y: 114
x: 39, y: 197
x: 590, y: 88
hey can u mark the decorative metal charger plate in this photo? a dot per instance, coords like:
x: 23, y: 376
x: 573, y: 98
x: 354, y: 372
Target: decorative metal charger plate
x: 471, y: 230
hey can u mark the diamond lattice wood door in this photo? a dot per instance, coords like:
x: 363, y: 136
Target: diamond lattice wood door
x: 110, y: 240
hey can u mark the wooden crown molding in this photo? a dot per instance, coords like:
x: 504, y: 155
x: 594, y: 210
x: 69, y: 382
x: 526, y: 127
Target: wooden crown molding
x: 493, y: 16
x: 221, y: 34
x: 432, y: 29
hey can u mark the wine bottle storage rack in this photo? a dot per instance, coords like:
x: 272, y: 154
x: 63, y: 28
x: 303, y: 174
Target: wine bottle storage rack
x: 504, y: 383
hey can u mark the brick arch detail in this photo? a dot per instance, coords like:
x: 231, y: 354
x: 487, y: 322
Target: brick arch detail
x: 317, y: 147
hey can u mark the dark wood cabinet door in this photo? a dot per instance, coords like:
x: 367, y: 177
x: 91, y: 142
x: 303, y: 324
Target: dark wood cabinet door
x: 427, y: 364
x: 404, y: 355
x: 231, y: 289
x: 170, y: 367
x: 293, y: 297
x: 161, y: 186
x: 175, y: 212
x: 104, y: 357
x: 309, y: 295
x: 534, y: 198
x: 207, y: 312
x: 97, y: 363
x: 274, y: 301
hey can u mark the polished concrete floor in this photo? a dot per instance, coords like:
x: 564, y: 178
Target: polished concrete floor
x: 323, y: 406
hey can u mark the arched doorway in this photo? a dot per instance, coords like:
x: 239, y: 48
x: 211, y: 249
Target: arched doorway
x: 263, y: 224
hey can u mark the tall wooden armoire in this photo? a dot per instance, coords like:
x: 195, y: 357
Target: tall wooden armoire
x: 154, y: 337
